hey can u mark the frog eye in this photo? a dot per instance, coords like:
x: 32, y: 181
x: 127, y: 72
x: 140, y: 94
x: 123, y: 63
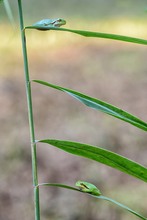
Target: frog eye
x: 59, y: 20
x: 84, y: 186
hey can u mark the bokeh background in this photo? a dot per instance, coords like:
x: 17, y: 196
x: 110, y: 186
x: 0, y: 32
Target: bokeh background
x: 112, y: 71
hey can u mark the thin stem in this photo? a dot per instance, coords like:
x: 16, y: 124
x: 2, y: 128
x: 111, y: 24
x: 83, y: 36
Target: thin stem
x: 30, y: 115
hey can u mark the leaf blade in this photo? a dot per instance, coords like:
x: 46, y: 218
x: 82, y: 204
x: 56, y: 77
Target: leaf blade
x: 122, y: 206
x: 97, y: 197
x: 92, y: 34
x: 59, y: 185
x: 101, y: 155
x: 9, y: 12
x: 100, y: 105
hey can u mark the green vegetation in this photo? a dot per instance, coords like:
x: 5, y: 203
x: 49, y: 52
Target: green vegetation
x: 95, y: 153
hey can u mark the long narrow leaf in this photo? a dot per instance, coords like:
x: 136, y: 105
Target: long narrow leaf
x: 100, y: 105
x: 121, y: 205
x: 59, y: 185
x: 98, y: 197
x: 92, y: 34
x: 101, y: 155
x: 9, y: 12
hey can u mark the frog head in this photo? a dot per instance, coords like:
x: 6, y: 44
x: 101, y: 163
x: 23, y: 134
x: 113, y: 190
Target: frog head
x: 58, y: 22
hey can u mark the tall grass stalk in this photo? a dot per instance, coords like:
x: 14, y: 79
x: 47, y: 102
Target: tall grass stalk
x: 30, y: 114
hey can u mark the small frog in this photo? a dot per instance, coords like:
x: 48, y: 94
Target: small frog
x: 57, y: 22
x: 88, y: 188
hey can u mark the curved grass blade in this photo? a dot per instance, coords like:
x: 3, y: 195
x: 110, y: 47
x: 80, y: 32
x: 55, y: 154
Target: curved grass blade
x: 59, y: 185
x: 98, y: 197
x: 9, y: 12
x: 92, y: 34
x: 100, y: 105
x: 101, y: 155
x: 120, y: 205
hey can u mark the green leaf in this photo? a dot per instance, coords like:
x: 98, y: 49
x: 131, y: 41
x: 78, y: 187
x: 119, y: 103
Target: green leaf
x: 120, y: 205
x: 100, y: 105
x: 98, y: 197
x: 59, y: 185
x: 9, y: 12
x: 101, y: 155
x: 92, y: 34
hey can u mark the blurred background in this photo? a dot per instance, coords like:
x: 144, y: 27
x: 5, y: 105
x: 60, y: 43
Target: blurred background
x: 109, y: 70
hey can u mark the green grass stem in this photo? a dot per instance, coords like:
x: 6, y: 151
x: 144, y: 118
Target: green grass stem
x: 30, y: 115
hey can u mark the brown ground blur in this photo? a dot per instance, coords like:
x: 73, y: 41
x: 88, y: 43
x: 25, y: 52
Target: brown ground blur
x: 112, y: 71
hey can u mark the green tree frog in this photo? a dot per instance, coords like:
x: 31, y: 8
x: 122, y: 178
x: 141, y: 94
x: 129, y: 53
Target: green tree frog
x: 88, y: 188
x: 57, y: 22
